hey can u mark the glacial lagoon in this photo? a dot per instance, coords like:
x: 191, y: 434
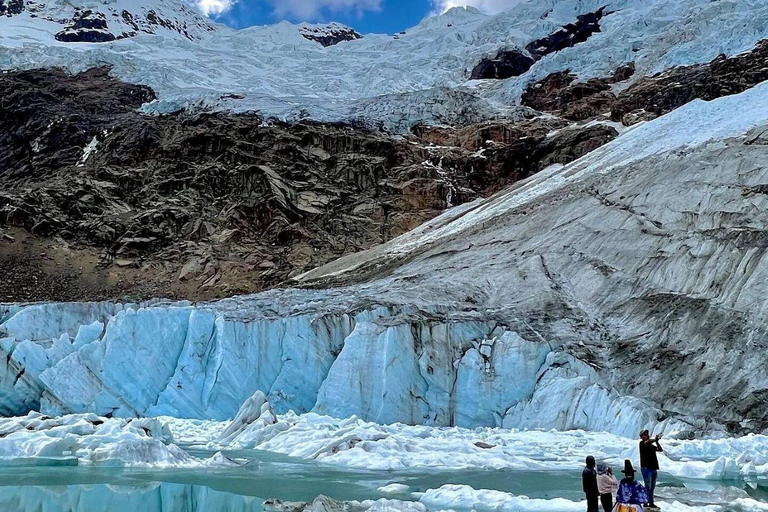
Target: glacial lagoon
x: 60, y: 485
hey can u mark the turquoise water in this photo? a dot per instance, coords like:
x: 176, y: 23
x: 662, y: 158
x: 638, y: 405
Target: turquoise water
x: 55, y: 486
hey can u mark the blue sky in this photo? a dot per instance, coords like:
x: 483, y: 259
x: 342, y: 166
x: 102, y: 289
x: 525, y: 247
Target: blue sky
x: 389, y: 16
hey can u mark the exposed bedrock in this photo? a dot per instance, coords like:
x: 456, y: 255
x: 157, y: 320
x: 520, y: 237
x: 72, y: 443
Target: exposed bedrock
x: 648, y: 97
x: 210, y: 205
x: 569, y: 35
x: 673, y: 88
x: 563, y: 94
x: 506, y: 64
x: 11, y: 7
x: 87, y: 27
x: 509, y: 63
x: 330, y: 34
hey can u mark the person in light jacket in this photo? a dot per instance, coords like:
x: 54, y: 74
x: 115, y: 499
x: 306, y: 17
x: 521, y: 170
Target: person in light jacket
x: 607, y: 485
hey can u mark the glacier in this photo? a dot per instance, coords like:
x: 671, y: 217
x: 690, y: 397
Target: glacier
x: 520, y: 332
x: 469, y: 320
x: 420, y: 76
x: 379, y: 364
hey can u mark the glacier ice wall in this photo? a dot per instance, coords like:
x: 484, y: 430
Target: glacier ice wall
x: 382, y: 364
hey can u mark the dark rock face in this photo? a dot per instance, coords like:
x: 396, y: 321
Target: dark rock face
x: 671, y: 89
x: 216, y: 204
x: 87, y: 27
x: 506, y: 64
x: 624, y: 72
x: 568, y: 36
x: 11, y: 7
x: 330, y: 35
x: 507, y: 153
x: 559, y: 92
x: 48, y: 116
x: 509, y: 63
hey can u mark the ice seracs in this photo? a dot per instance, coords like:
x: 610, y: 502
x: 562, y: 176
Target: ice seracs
x: 423, y: 75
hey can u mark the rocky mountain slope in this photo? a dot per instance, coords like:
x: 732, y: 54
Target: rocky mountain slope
x: 623, y: 289
x: 207, y: 205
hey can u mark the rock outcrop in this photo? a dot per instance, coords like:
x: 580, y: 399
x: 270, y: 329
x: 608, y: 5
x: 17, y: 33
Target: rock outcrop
x: 647, y: 97
x: 11, y: 7
x: 562, y: 93
x: 506, y: 64
x: 656, y: 95
x: 568, y: 36
x: 330, y: 34
x: 204, y: 205
x: 87, y: 27
x: 511, y: 63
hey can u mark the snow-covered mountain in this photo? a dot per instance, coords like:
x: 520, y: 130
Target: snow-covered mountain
x: 100, y: 21
x: 394, y: 80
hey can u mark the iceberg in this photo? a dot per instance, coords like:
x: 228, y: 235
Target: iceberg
x: 91, y: 440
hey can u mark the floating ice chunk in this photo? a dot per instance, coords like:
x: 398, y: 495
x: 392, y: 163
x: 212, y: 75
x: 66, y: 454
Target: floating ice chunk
x: 384, y: 505
x: 92, y: 440
x: 221, y: 460
x: 464, y: 497
x: 251, y: 422
x: 394, y: 488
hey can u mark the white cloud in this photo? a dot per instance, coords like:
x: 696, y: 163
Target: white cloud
x: 309, y: 10
x: 298, y: 10
x: 210, y: 7
x: 486, y: 6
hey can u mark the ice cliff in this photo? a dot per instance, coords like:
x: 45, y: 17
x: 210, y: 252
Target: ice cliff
x: 383, y: 364
x: 620, y: 291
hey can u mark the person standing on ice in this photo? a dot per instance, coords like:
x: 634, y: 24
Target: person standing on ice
x: 649, y: 462
x: 606, y: 485
x: 631, y: 494
x: 589, y: 484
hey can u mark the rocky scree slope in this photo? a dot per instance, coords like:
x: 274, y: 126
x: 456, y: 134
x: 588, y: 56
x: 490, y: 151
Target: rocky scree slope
x: 211, y: 204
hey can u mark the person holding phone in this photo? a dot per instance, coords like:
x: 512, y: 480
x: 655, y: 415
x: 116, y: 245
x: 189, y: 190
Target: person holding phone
x: 649, y: 462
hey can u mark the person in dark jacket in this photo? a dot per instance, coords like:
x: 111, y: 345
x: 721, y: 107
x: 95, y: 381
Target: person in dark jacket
x: 589, y: 484
x: 649, y: 462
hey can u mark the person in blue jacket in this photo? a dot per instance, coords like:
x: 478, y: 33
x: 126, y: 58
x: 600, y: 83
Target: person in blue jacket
x: 631, y: 492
